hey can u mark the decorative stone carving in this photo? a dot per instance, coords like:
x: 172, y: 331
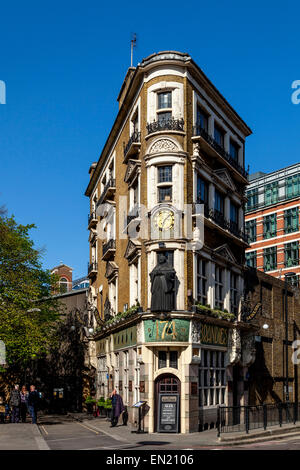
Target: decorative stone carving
x: 226, y: 178
x: 196, y: 332
x: 132, y: 168
x: 234, y: 346
x: 248, y: 350
x: 164, y: 145
x: 226, y: 253
x: 132, y: 249
x: 111, y: 270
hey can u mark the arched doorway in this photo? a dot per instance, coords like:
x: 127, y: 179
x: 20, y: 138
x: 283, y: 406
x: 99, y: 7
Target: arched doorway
x: 167, y: 403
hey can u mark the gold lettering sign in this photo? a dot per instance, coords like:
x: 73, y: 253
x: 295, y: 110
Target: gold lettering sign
x: 213, y: 334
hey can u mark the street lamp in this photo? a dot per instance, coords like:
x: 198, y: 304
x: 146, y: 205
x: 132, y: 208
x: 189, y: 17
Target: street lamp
x: 286, y: 276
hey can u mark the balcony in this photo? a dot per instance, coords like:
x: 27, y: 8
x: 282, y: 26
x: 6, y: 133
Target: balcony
x: 108, y: 249
x: 92, y: 220
x: 133, y: 146
x: 92, y: 269
x: 165, y: 125
x: 108, y: 191
x: 219, y: 219
x: 212, y: 147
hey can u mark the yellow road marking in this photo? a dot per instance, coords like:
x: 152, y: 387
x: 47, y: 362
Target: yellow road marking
x: 90, y: 429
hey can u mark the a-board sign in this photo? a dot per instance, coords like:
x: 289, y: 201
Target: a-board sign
x: 168, y: 412
x: 139, y: 404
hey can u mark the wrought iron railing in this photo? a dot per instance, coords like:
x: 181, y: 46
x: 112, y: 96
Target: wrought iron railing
x: 132, y: 214
x: 199, y: 131
x: 92, y: 267
x: 110, y: 245
x: 134, y: 138
x: 245, y: 418
x: 165, y: 124
x: 110, y: 184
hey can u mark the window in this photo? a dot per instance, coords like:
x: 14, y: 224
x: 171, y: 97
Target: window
x: 164, y: 189
x: 102, y: 376
x: 137, y: 372
x: 252, y: 196
x: 234, y: 213
x: 202, y: 191
x: 233, y: 293
x: 212, y: 378
x: 270, y: 226
x: 165, y: 194
x: 164, y: 100
x: 219, y: 288
x: 201, y: 280
x: 293, y: 280
x: 135, y: 122
x: 165, y: 174
x: 234, y: 150
x: 291, y: 220
x: 291, y: 254
x: 202, y: 119
x: 162, y: 359
x: 270, y: 258
x: 250, y: 228
x: 174, y: 359
x: 292, y: 186
x: 219, y: 136
x: 63, y: 285
x: 126, y: 376
x: 219, y: 202
x: 271, y: 193
x: 251, y: 259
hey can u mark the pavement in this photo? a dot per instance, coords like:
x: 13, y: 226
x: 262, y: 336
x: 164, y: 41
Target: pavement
x: 84, y: 432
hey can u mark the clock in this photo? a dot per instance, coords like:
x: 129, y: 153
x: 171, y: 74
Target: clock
x: 164, y: 220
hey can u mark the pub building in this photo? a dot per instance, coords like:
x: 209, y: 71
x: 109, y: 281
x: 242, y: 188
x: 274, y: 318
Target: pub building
x: 167, y: 301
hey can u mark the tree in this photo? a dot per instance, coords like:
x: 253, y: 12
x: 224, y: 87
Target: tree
x: 28, y: 314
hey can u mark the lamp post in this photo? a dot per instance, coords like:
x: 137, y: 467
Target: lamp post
x: 286, y: 276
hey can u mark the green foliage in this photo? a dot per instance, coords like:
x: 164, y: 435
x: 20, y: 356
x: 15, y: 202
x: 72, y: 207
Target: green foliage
x: 130, y: 311
x: 101, y: 401
x: 216, y: 313
x: 27, y: 320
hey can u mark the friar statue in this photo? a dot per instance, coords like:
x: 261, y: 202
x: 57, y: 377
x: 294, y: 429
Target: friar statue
x: 162, y: 286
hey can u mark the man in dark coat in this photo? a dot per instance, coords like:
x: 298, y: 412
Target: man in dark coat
x: 14, y: 402
x: 117, y: 407
x: 33, y: 402
x: 163, y: 286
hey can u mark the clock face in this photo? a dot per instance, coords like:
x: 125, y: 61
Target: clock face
x: 164, y: 220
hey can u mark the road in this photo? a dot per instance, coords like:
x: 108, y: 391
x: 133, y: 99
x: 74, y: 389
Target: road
x: 63, y: 433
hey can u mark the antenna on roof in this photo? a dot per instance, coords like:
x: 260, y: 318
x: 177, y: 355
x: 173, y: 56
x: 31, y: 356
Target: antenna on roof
x: 132, y: 45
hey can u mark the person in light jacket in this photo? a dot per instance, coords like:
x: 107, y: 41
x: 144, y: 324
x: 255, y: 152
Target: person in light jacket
x: 24, y: 403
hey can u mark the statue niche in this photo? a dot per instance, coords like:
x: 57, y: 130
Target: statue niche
x: 163, y: 279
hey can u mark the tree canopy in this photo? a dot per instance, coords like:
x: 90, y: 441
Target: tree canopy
x: 28, y: 312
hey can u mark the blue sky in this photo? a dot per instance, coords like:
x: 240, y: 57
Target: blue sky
x: 64, y: 62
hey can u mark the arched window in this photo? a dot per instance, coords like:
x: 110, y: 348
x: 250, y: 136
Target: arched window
x: 63, y: 285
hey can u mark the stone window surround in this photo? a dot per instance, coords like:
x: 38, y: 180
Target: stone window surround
x: 177, y: 99
x: 212, y: 119
x: 136, y: 108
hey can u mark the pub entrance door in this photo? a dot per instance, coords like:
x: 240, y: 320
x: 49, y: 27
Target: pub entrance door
x: 166, y: 385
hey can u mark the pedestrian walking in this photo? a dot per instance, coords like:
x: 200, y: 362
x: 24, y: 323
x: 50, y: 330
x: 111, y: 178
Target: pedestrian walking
x: 24, y: 403
x: 2, y: 410
x: 33, y: 403
x: 15, y: 400
x: 117, y: 407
